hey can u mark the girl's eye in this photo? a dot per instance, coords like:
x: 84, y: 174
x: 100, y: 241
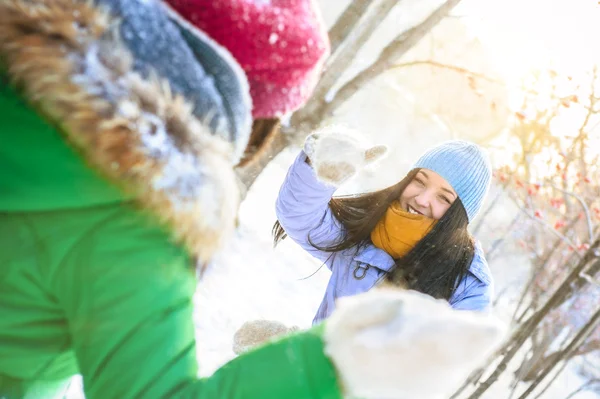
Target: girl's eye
x: 419, y: 181
x: 446, y: 199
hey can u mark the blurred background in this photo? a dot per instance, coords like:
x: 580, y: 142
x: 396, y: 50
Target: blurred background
x: 518, y: 77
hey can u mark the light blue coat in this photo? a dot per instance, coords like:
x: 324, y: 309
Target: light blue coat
x: 302, y: 209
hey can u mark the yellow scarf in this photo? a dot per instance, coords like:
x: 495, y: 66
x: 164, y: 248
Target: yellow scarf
x: 399, y: 231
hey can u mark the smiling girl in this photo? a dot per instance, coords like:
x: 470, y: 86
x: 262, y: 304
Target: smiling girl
x: 412, y: 234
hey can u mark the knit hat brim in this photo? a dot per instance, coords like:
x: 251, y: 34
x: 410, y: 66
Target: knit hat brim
x: 466, y: 167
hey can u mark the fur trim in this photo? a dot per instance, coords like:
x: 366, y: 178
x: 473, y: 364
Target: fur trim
x: 67, y: 58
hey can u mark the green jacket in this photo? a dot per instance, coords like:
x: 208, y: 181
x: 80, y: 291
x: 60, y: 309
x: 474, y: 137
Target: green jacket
x: 98, y: 233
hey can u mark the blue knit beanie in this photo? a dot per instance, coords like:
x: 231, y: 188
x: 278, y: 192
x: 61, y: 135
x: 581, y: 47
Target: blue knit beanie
x: 465, y: 166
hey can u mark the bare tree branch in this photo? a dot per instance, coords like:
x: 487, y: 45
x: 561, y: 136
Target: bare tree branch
x: 586, y: 209
x: 583, y: 388
x: 581, y: 336
x: 589, y: 279
x: 462, y: 70
x: 569, y: 285
x: 390, y: 55
x: 562, y: 368
x: 559, y: 372
x: 341, y: 61
x: 357, y: 30
x: 537, y: 327
x: 497, y: 244
x: 544, y: 261
x: 547, y: 227
x: 346, y: 22
x: 491, y: 206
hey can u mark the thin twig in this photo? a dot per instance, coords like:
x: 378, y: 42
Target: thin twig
x: 589, y: 279
x: 491, y: 206
x: 586, y: 209
x: 548, y: 227
x: 583, y: 388
x: 462, y: 70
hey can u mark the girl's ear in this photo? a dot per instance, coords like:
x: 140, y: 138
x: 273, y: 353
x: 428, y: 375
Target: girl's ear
x: 374, y: 153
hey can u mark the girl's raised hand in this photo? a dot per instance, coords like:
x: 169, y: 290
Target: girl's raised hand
x: 337, y: 153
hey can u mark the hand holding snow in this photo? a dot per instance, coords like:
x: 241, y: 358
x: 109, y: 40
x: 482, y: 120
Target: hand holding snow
x: 337, y: 154
x: 405, y: 345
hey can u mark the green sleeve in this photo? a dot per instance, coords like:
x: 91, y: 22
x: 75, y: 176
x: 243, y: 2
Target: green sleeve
x: 293, y: 367
x: 127, y: 291
x: 39, y: 171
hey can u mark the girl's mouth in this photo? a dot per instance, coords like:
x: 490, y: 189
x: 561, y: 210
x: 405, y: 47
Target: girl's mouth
x: 413, y: 211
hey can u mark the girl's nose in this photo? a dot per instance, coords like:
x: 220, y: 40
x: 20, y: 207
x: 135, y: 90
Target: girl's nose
x: 423, y: 199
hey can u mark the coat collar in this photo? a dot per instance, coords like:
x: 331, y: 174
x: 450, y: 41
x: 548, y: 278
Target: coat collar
x: 373, y: 256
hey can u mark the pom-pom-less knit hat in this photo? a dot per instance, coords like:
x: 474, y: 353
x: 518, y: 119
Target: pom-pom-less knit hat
x: 280, y: 44
x: 465, y: 166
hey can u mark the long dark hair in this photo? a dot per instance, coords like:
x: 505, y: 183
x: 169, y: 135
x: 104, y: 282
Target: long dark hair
x: 434, y: 266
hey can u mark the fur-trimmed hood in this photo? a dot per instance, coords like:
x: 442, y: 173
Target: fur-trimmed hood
x: 151, y: 103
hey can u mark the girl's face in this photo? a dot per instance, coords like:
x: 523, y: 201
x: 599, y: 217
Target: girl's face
x: 428, y: 194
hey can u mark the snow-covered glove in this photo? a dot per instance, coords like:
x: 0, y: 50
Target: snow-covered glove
x: 404, y: 345
x: 337, y: 153
x: 255, y: 332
